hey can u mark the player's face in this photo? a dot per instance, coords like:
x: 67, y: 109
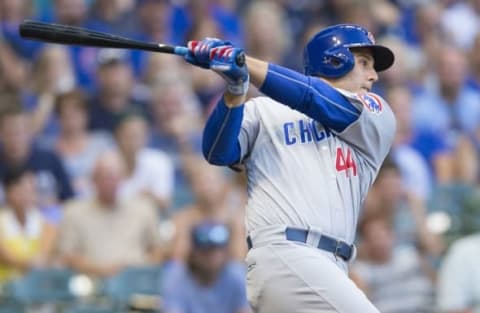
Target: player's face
x: 363, y: 74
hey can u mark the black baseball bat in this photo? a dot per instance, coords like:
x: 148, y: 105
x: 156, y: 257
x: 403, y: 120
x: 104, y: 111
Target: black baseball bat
x: 70, y: 35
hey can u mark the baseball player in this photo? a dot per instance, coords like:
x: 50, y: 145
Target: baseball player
x: 311, y: 150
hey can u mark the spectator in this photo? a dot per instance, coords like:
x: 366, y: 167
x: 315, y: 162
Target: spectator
x: 70, y: 12
x: 405, y: 211
x: 474, y: 79
x: 74, y: 13
x: 459, y: 277
x: 52, y: 74
x: 208, y: 282
x: 151, y: 22
x: 405, y: 72
x: 427, y: 38
x: 112, y: 16
x: 13, y: 70
x: 395, y: 278
x: 77, y: 147
x: 154, y: 18
x: 358, y: 12
x: 416, y: 175
x: 456, y: 106
x: 461, y: 22
x: 12, y: 13
x: 267, y: 36
x: 426, y: 21
x: 109, y: 16
x: 150, y: 172
x: 26, y: 237
x: 159, y: 64
x: 295, y: 57
x: 210, y: 188
x: 447, y: 165
x: 176, y: 129
x: 102, y: 235
x: 18, y: 149
x: 188, y: 15
x: 115, y: 90
x: 176, y: 115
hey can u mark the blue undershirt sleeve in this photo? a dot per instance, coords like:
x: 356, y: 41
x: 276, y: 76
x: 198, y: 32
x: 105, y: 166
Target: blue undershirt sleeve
x: 220, y: 143
x: 311, y: 96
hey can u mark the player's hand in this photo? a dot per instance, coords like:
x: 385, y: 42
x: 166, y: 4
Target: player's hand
x: 225, y: 61
x: 199, y: 51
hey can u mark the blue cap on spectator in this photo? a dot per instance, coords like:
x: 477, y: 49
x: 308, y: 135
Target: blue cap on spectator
x: 210, y: 234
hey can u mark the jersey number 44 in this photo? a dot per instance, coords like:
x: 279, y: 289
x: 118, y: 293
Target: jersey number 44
x: 345, y: 162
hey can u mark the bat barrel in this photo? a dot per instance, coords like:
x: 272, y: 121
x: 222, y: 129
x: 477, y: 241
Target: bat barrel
x: 62, y: 34
x: 70, y: 35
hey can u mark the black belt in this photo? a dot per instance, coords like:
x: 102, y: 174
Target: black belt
x: 337, y: 247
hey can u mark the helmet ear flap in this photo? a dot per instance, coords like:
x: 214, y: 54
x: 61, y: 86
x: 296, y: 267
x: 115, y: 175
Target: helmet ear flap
x: 338, y: 62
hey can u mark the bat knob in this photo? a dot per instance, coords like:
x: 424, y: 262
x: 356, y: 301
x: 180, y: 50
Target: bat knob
x: 240, y: 59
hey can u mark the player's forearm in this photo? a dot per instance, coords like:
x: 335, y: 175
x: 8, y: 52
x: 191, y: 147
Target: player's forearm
x: 220, y: 137
x: 258, y: 70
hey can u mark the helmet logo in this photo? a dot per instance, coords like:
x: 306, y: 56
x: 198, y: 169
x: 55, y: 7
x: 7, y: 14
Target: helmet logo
x: 370, y: 37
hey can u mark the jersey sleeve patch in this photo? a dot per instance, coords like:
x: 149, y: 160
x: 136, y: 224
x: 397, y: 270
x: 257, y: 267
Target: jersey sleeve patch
x: 371, y: 102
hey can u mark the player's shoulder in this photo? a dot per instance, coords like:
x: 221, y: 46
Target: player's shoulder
x: 372, y: 102
x: 369, y: 101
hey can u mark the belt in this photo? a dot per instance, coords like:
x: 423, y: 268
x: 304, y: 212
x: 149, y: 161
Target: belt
x: 337, y: 247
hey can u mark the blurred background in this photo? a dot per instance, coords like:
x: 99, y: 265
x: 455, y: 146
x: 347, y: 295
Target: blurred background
x: 108, y: 205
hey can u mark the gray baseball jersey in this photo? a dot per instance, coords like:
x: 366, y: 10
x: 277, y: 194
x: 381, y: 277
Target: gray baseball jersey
x: 302, y: 174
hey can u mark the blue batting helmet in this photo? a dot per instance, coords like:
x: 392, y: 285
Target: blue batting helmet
x: 328, y: 53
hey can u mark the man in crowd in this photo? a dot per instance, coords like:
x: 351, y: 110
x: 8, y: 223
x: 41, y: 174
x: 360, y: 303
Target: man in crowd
x: 209, y: 282
x: 103, y: 235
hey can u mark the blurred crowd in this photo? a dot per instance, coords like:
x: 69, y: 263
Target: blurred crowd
x: 100, y: 149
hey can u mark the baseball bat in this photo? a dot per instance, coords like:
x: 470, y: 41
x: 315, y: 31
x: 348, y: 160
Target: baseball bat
x: 70, y: 35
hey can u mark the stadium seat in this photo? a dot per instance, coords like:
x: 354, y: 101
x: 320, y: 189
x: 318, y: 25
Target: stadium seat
x: 135, y: 286
x: 91, y: 309
x: 42, y: 286
x: 11, y: 307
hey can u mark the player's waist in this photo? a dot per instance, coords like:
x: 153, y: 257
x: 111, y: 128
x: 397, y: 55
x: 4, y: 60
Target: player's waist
x: 310, y: 237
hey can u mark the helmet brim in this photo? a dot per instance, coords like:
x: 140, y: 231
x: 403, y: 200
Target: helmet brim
x: 383, y: 57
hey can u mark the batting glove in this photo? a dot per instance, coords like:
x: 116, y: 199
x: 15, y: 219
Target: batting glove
x: 229, y: 62
x: 199, y: 51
